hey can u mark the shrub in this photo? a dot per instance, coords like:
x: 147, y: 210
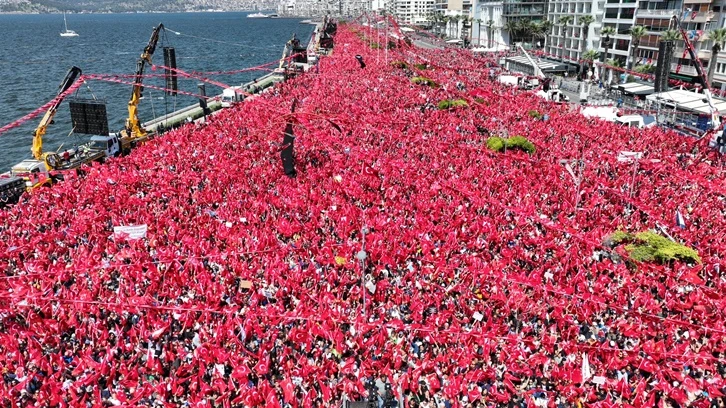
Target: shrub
x: 419, y: 80
x: 649, y: 246
x: 499, y: 144
x: 453, y: 103
x: 521, y: 142
x: 421, y: 66
x: 534, y: 114
x: 495, y: 143
x: 375, y: 46
x: 479, y: 100
x: 399, y: 64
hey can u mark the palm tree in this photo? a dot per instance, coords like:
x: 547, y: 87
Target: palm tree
x: 636, y: 34
x: 670, y: 35
x: 616, y: 63
x: 539, y: 30
x: 525, y: 28
x: 453, y: 26
x: 606, y: 43
x: 511, y: 27
x: 490, y: 33
x: 478, y: 26
x: 585, y: 21
x: 589, y: 56
x: 546, y: 29
x: 718, y: 36
x: 564, y: 21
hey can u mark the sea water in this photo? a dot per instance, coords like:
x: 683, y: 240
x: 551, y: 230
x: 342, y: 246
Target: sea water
x: 34, y: 59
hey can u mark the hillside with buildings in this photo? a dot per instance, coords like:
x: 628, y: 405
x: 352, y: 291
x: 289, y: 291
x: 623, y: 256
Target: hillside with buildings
x: 110, y: 6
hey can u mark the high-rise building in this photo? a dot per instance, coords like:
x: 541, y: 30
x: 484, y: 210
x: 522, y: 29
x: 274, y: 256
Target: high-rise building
x: 415, y: 12
x: 569, y: 41
x: 487, y: 27
x: 620, y: 15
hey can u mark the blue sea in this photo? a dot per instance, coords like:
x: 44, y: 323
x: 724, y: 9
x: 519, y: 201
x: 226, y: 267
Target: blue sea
x: 34, y: 59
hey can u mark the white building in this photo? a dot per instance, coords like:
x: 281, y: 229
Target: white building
x: 415, y: 12
x: 482, y: 34
x: 570, y: 42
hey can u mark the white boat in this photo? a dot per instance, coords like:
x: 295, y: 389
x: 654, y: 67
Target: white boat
x: 257, y: 15
x: 67, y: 32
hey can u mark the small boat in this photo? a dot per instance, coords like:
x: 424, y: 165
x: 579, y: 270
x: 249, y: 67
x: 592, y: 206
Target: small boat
x: 67, y: 32
x: 273, y: 16
x: 257, y: 15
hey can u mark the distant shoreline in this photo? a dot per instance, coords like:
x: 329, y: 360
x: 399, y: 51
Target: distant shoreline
x: 123, y: 12
x: 23, y: 13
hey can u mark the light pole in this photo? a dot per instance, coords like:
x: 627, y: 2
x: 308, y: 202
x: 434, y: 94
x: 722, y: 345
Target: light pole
x: 362, y: 256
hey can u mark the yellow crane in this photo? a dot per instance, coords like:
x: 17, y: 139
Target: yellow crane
x: 133, y: 126
x: 50, y: 159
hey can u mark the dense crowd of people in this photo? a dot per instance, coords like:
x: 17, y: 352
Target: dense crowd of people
x: 403, y: 250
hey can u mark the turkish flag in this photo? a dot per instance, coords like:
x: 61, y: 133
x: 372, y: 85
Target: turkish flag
x: 288, y: 390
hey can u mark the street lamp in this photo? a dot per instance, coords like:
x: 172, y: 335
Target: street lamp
x: 362, y: 256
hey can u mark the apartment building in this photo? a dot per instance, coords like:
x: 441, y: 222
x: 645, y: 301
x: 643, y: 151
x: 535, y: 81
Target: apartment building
x: 482, y: 34
x: 415, y: 12
x: 570, y: 41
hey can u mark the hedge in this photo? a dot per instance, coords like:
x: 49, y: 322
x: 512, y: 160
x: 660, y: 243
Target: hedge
x: 452, y: 103
x: 424, y: 81
x: 651, y: 247
x: 399, y: 64
x: 499, y: 144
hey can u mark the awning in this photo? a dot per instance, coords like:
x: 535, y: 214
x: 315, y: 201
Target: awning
x: 636, y: 88
x: 454, y: 41
x: 543, y: 64
x: 688, y: 101
x: 684, y: 78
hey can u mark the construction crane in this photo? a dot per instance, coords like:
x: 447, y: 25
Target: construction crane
x: 37, y: 148
x: 133, y: 126
x: 702, y: 77
x: 551, y: 94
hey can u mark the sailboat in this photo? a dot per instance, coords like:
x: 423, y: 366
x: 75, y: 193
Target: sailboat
x: 67, y: 32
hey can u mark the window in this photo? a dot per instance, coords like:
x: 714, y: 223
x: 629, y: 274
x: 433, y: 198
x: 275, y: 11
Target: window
x: 627, y: 13
x: 611, y: 13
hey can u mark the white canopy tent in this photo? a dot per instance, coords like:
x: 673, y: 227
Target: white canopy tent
x: 688, y: 101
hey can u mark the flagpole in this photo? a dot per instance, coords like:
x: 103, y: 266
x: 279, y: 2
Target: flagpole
x: 362, y: 256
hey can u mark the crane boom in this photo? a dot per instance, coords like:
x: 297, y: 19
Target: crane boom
x: 537, y: 72
x: 133, y: 126
x: 37, y: 148
x: 703, y: 79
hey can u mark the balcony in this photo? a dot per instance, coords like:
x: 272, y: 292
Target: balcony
x: 700, y: 17
x: 657, y: 13
x: 696, y: 1
x: 701, y: 54
x: 685, y: 69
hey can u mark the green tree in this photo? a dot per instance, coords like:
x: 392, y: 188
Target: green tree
x: 670, y: 35
x: 615, y: 63
x: 590, y: 56
x: 717, y: 36
x: 546, y: 27
x: 525, y: 28
x: 636, y: 34
x: 606, y: 32
x: 564, y: 21
x: 511, y: 27
x: 585, y: 21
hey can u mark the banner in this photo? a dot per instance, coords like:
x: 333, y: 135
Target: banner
x: 131, y: 231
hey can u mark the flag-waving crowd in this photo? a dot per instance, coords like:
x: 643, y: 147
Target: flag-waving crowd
x: 403, y: 250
